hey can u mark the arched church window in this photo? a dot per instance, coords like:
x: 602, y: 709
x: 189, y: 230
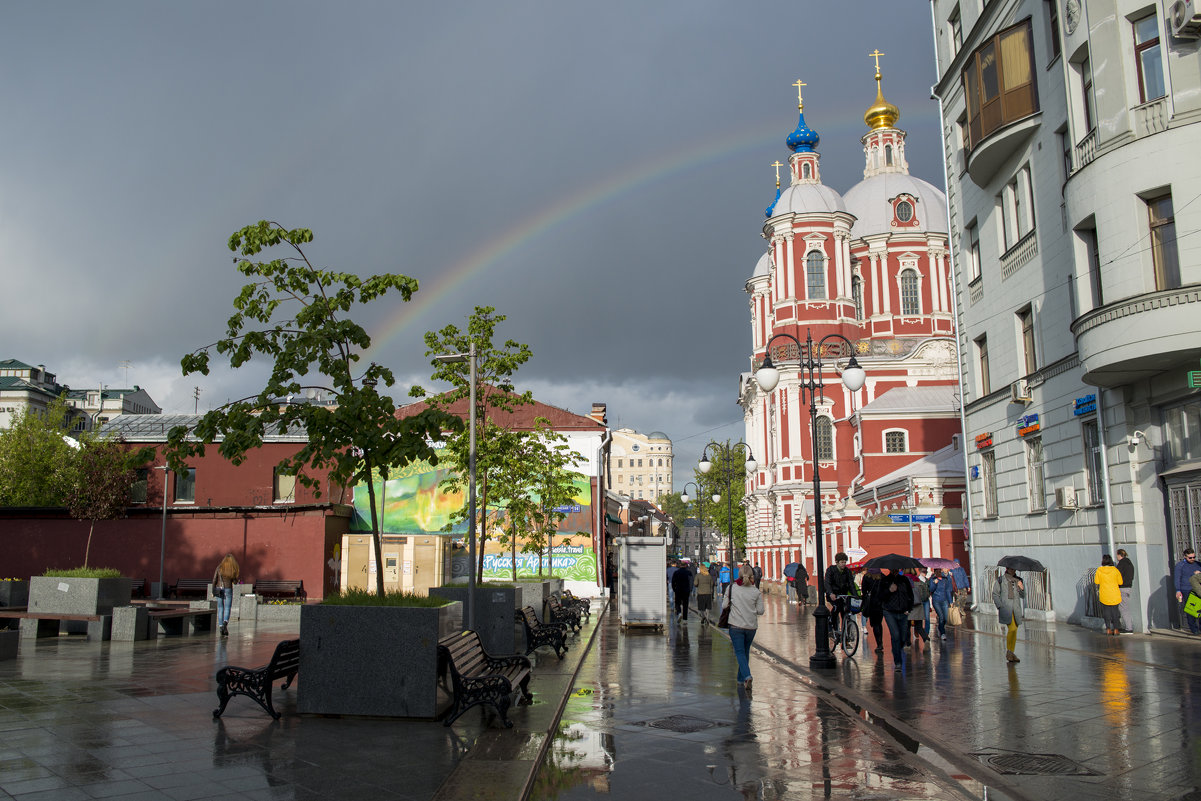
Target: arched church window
x: 888, y: 155
x: 815, y: 275
x: 806, y: 171
x: 909, y: 296
x: 825, y: 439
x: 857, y: 296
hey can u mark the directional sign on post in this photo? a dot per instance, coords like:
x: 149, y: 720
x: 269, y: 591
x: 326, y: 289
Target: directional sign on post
x: 913, y: 518
x: 855, y: 553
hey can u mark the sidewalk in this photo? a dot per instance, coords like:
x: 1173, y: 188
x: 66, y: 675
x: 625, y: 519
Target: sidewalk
x: 1082, y: 716
x: 133, y: 721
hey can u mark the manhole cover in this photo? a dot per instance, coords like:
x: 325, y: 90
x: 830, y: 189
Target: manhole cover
x: 1034, y: 764
x: 684, y: 724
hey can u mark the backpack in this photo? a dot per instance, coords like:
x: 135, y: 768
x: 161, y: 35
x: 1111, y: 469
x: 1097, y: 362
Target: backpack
x: 921, y: 592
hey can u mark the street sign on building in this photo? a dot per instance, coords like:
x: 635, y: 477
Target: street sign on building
x: 912, y: 519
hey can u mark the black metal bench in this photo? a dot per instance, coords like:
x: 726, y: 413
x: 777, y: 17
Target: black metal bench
x: 137, y: 588
x: 256, y: 682
x: 581, y: 605
x: 538, y: 633
x: 563, y: 614
x: 274, y: 588
x: 190, y: 587
x: 476, y: 677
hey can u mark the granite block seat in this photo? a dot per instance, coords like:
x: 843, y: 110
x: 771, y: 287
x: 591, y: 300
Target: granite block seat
x: 256, y: 683
x: 476, y: 677
x: 538, y: 633
x: 47, y: 624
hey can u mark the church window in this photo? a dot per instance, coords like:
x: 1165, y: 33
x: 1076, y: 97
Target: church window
x: 815, y: 269
x: 909, y: 296
x: 857, y: 296
x: 904, y: 211
x: 888, y: 155
x: 825, y: 439
x: 895, y: 442
x: 806, y: 170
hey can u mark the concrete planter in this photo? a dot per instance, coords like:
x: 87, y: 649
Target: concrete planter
x: 493, y: 614
x: 14, y: 593
x: 372, y: 660
x: 78, y: 596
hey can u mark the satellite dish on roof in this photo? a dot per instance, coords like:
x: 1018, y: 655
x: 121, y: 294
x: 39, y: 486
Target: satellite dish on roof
x: 310, y: 393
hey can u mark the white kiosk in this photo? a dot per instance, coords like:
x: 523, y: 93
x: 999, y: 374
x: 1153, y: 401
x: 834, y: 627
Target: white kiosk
x: 642, y: 581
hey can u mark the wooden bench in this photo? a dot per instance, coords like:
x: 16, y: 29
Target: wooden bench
x: 190, y: 587
x: 137, y: 588
x: 256, y: 682
x: 562, y: 614
x: 280, y: 589
x: 479, y: 678
x: 538, y: 633
x: 581, y: 605
x: 179, y: 622
x: 48, y: 624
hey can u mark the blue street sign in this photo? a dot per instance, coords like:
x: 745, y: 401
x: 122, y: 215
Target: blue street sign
x: 913, y: 518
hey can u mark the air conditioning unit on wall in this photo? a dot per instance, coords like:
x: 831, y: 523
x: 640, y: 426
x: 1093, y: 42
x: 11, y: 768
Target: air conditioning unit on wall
x: 1065, y: 498
x: 1019, y: 391
x: 1185, y: 20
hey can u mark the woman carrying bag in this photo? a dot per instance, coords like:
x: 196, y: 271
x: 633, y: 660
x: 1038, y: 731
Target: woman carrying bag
x: 741, y: 606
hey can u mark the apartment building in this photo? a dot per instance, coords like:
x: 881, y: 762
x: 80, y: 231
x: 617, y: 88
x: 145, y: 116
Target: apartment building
x: 641, y: 464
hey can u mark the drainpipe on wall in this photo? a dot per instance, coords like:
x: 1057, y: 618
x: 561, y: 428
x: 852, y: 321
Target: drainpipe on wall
x: 967, y: 483
x: 1105, y: 471
x: 602, y: 554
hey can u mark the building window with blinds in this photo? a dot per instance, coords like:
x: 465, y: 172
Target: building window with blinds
x: 999, y: 82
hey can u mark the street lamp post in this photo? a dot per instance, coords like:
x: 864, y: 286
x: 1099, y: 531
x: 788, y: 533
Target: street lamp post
x: 705, y: 466
x: 470, y: 358
x: 810, y: 379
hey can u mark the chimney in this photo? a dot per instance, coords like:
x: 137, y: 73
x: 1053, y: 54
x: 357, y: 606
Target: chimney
x: 598, y: 413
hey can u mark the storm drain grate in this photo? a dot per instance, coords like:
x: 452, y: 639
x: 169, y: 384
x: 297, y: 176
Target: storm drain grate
x: 1033, y: 764
x: 682, y: 724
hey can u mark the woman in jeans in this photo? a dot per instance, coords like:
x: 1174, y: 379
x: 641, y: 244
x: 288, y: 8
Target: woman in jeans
x: 224, y: 579
x: 896, y: 596
x: 746, y: 604
x: 942, y: 597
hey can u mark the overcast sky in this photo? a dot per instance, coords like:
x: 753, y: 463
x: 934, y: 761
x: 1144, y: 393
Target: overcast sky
x: 598, y: 172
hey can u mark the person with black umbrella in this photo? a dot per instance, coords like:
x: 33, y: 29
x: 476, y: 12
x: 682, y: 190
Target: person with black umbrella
x: 1009, y: 596
x: 896, y: 598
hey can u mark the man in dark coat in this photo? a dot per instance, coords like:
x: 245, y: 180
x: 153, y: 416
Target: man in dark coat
x: 1126, y: 568
x: 681, y: 587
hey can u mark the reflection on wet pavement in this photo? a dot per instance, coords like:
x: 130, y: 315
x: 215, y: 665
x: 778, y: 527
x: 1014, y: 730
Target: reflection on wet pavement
x: 659, y: 715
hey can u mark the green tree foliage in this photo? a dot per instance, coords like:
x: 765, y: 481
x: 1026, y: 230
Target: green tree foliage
x: 37, y: 458
x: 727, y: 477
x: 296, y: 315
x: 101, y: 484
x: 675, y: 508
x: 495, y: 368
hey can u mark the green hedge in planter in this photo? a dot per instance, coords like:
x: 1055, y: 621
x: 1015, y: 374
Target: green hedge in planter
x: 84, y: 572
x: 396, y: 598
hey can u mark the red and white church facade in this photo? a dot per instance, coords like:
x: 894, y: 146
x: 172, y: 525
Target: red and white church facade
x: 872, y: 265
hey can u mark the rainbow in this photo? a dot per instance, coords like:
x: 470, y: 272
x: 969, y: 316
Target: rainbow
x: 620, y: 184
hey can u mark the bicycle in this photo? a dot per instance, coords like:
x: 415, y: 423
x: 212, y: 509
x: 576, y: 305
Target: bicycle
x: 848, y: 635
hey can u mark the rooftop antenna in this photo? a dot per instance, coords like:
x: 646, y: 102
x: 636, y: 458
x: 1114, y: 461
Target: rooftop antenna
x: 196, y: 397
x: 125, y: 365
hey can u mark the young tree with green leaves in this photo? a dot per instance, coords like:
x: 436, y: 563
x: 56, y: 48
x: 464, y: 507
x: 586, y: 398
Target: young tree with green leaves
x: 37, y: 458
x: 102, y: 482
x: 675, y: 508
x: 495, y: 367
x: 296, y: 315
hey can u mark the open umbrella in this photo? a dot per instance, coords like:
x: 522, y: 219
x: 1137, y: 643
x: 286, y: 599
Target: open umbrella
x: 892, y: 561
x: 1021, y: 563
x: 935, y: 563
x: 791, y: 568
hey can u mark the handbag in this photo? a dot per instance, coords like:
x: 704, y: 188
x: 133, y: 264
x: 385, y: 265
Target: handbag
x: 723, y: 622
x: 954, y: 616
x: 1193, y: 605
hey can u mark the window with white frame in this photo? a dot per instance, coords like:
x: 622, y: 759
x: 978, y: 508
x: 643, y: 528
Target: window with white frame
x: 284, y: 487
x: 910, y: 299
x: 896, y: 442
x: 1016, y: 203
x: 1036, y: 489
x: 973, y: 250
x: 988, y: 479
x: 1092, y: 462
x: 984, y: 379
x: 185, y: 486
x: 825, y: 439
x: 1148, y: 56
x: 857, y: 296
x: 955, y: 29
x: 815, y: 275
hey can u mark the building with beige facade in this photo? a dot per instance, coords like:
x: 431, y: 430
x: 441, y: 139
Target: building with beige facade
x: 641, y: 464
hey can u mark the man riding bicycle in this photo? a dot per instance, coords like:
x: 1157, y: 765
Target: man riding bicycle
x: 839, y: 581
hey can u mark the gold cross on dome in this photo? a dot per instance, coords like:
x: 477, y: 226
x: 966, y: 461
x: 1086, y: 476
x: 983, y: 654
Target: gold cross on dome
x: 777, y: 165
x: 800, y: 103
x: 876, y: 55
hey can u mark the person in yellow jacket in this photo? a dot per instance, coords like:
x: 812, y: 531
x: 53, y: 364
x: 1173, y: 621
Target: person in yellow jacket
x: 1109, y: 581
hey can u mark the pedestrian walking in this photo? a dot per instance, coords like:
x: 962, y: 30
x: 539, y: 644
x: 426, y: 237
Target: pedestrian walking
x: 1181, y: 574
x: 919, y: 615
x: 704, y: 593
x: 758, y: 575
x: 746, y: 604
x: 1009, y: 596
x: 671, y: 571
x: 873, y: 608
x: 801, y: 587
x: 1126, y: 568
x: 224, y: 578
x: 961, y: 584
x: 941, y: 597
x: 1109, y: 581
x: 681, y: 587
x: 896, y: 598
x: 725, y: 574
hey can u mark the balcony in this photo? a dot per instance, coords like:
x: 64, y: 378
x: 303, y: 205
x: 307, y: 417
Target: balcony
x: 1151, y: 118
x: 988, y: 156
x: 1086, y: 150
x: 1022, y: 252
x: 1139, y: 337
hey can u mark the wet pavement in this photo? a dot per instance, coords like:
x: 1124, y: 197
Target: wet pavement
x: 645, y: 715
x: 1082, y: 715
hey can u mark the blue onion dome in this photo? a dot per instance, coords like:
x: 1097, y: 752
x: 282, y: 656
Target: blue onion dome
x: 804, y: 139
x: 772, y: 207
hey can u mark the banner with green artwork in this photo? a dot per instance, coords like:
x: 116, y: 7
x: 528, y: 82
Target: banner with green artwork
x: 568, y: 562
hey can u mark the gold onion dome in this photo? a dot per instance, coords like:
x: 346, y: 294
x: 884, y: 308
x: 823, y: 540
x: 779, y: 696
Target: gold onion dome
x: 882, y: 114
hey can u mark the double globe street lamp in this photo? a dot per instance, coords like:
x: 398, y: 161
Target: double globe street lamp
x: 809, y: 369
x: 726, y: 451
x: 700, y: 512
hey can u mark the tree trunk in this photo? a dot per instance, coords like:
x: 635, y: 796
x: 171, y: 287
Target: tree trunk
x: 375, y: 538
x: 481, y: 511
x: 88, y: 548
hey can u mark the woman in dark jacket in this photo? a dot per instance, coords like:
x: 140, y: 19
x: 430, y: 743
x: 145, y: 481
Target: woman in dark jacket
x: 896, y: 596
x: 873, y: 608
